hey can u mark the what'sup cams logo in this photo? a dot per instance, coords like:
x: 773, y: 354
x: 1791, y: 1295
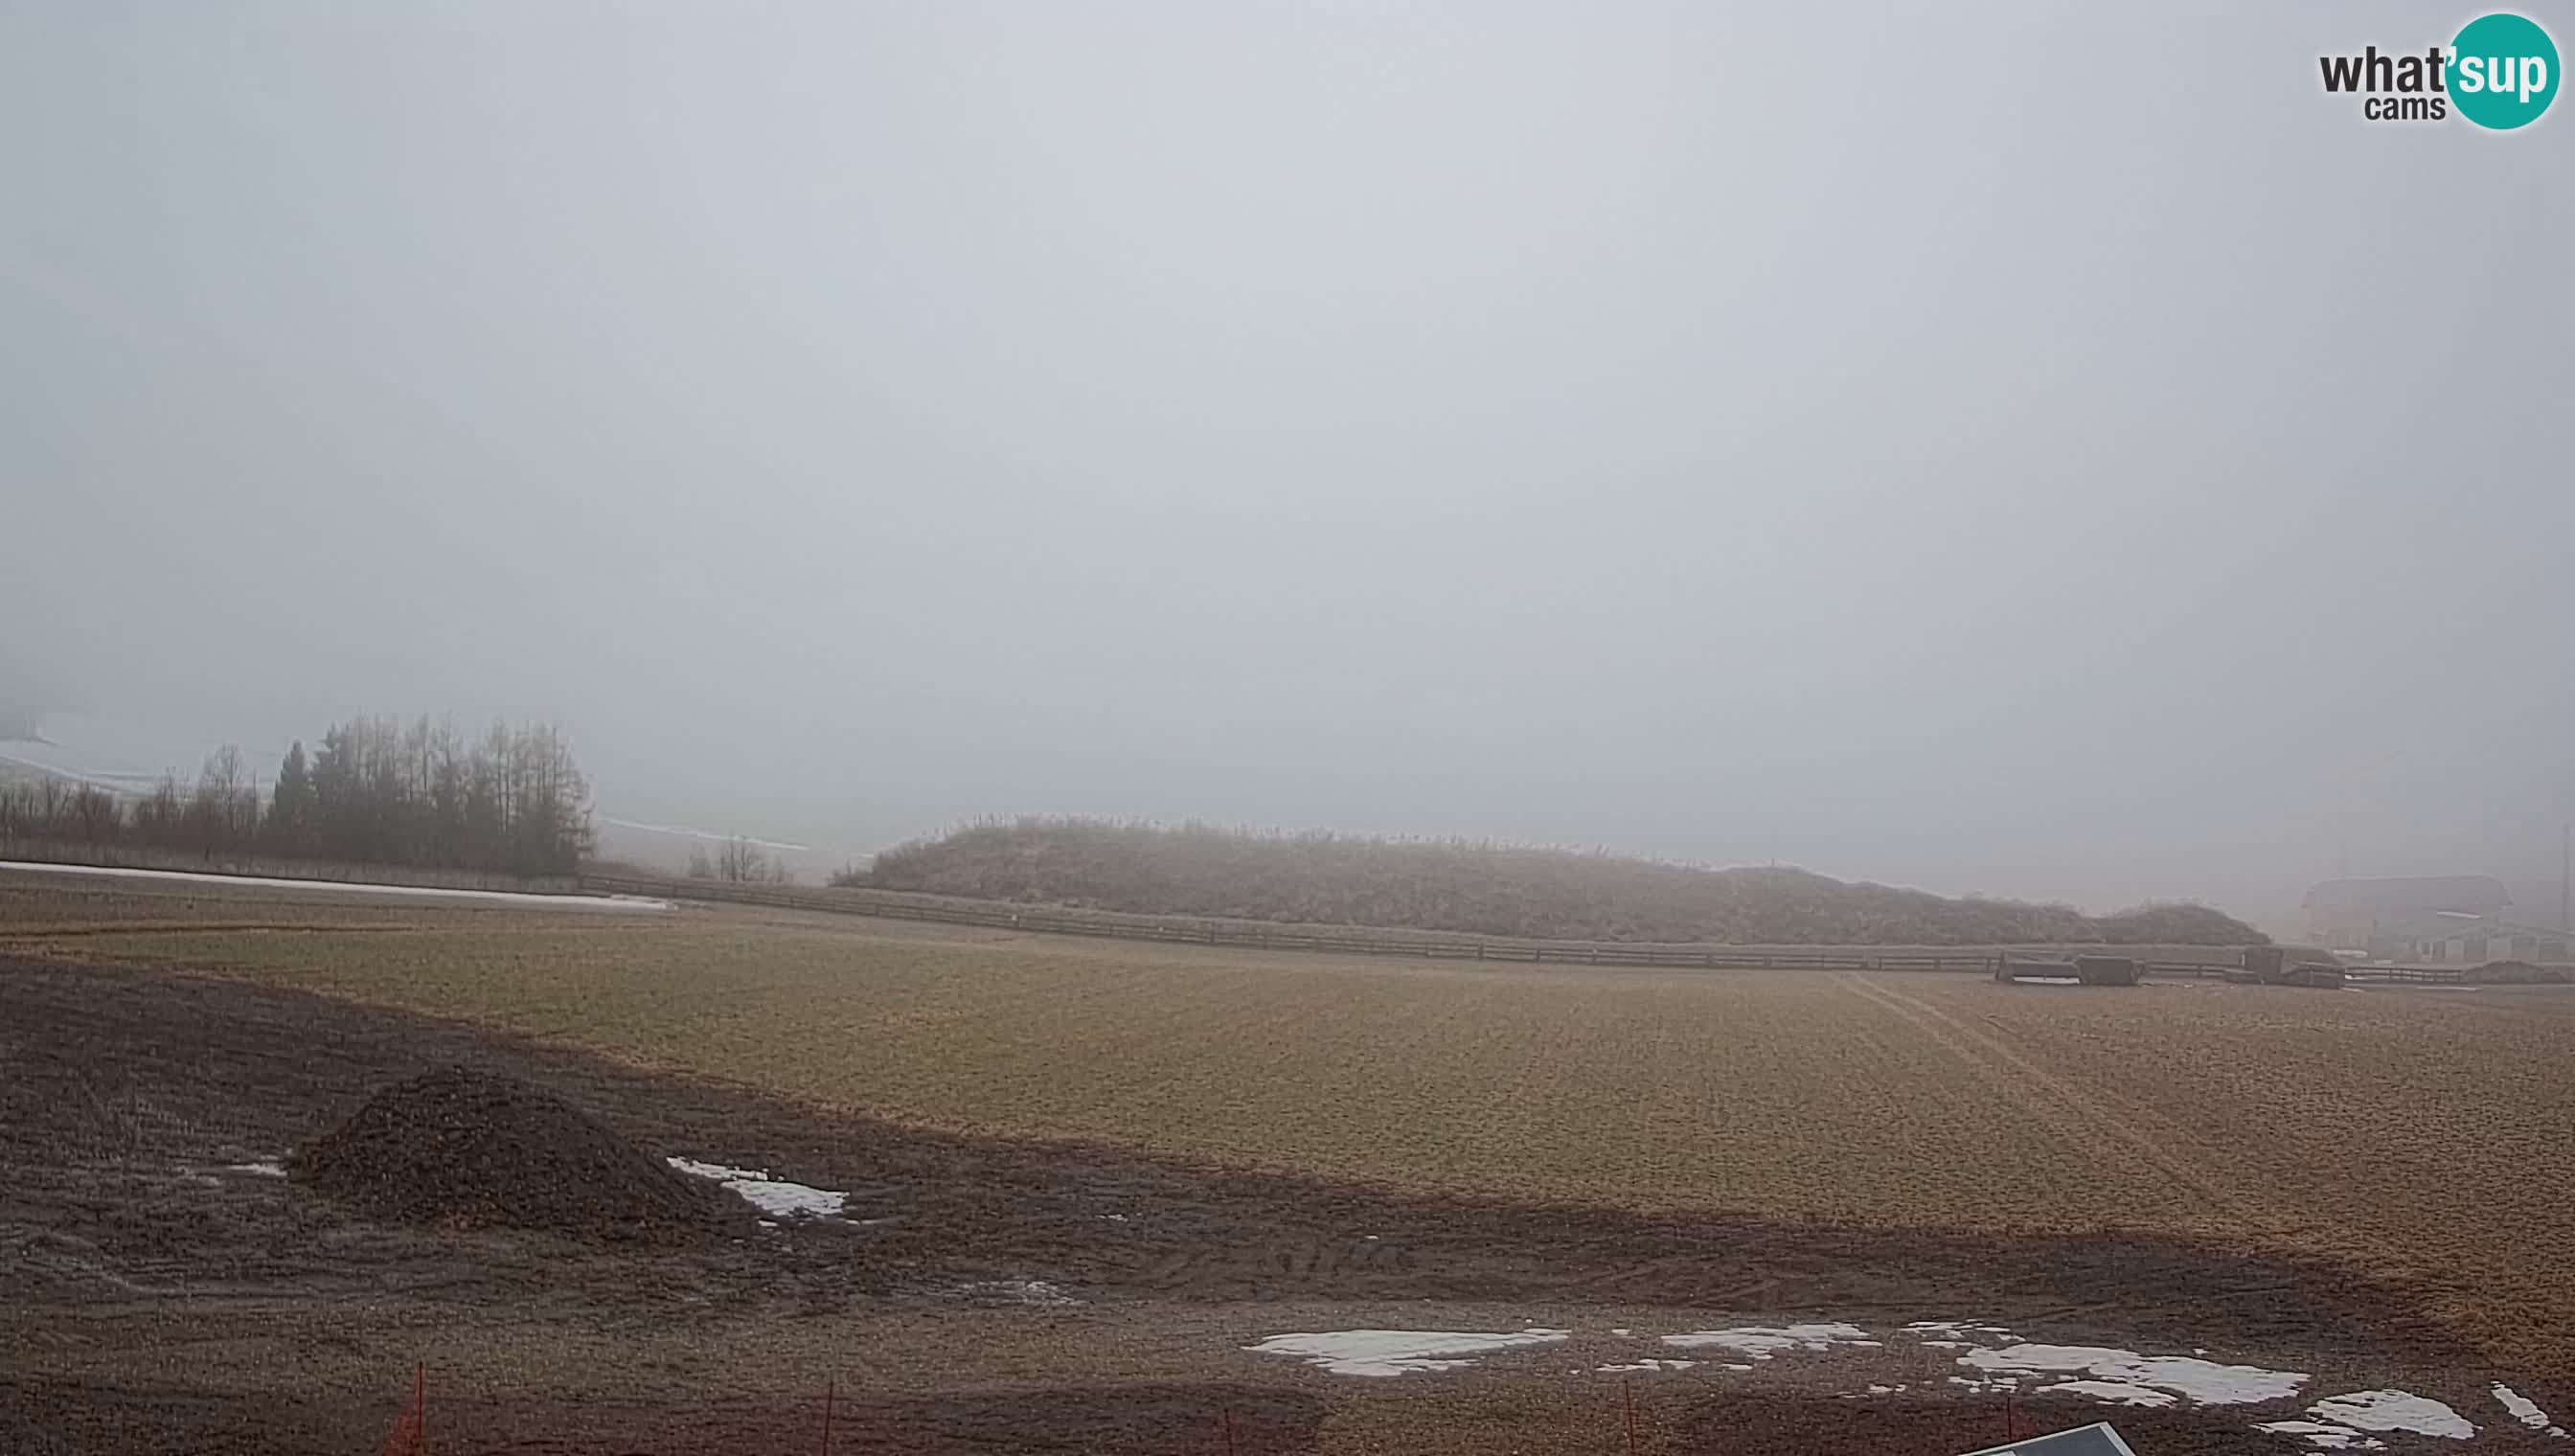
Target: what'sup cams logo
x: 2500, y: 72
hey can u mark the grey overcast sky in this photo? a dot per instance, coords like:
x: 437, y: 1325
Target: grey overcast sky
x: 1999, y: 448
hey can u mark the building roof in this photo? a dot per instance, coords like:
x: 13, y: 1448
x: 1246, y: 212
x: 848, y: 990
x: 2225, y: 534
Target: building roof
x: 2480, y: 892
x: 2097, y: 1439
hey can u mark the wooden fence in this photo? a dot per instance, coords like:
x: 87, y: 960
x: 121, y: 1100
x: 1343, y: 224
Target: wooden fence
x: 1354, y: 940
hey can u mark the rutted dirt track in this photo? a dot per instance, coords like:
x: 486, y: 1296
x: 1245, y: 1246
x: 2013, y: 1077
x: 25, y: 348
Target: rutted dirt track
x: 2080, y: 1116
x: 151, y: 1298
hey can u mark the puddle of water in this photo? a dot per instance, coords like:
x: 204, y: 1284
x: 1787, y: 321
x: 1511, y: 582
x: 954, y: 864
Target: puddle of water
x: 2393, y: 1410
x: 1397, y: 1353
x: 2526, y: 1410
x: 2324, y: 1437
x: 1763, y: 1341
x: 778, y: 1200
x: 2204, y: 1381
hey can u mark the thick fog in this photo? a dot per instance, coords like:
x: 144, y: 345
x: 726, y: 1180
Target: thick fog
x: 1983, y: 448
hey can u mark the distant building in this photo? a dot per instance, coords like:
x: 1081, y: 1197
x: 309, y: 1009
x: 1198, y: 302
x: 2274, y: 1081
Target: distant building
x: 2477, y: 942
x: 2390, y: 918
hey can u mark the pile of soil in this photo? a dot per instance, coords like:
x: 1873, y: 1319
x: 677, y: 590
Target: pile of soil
x: 465, y: 1149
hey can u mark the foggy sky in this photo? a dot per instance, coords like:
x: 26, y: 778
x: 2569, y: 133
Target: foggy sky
x: 1975, y: 447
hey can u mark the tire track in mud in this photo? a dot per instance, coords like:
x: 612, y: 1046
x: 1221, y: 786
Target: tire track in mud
x: 2086, y: 1118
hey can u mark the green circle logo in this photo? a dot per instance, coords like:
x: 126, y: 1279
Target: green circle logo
x: 2503, y: 71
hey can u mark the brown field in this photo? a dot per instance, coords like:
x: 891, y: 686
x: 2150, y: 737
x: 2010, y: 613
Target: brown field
x: 2366, y: 1184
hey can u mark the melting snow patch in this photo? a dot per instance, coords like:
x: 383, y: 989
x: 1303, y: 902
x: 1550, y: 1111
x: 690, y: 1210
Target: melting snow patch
x: 272, y: 1168
x: 2526, y: 1410
x: 1650, y: 1365
x: 1763, y: 1341
x: 424, y: 891
x: 1622, y: 1332
x: 1397, y: 1353
x: 2393, y: 1410
x: 1018, y: 1291
x: 2118, y: 1392
x: 2183, y: 1375
x: 2324, y: 1437
x: 776, y: 1198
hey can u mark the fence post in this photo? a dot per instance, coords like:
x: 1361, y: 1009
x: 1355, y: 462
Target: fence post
x: 1229, y: 1448
x: 831, y: 1388
x: 1627, y: 1390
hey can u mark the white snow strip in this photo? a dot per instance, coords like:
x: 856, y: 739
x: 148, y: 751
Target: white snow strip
x: 2195, y: 1380
x: 264, y: 1168
x: 2526, y: 1410
x: 425, y: 892
x: 2324, y: 1437
x: 1953, y: 1327
x: 1763, y: 1341
x: 2118, y: 1392
x: 775, y: 1198
x: 1648, y: 1365
x: 2393, y: 1410
x: 686, y: 832
x: 1397, y: 1353
x: 1020, y: 1291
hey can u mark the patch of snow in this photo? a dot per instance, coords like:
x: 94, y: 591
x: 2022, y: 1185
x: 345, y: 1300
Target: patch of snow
x: 1019, y: 1291
x: 424, y: 891
x: 1763, y: 1341
x: 1650, y: 1365
x: 2324, y: 1437
x: 2526, y: 1410
x: 685, y: 831
x: 1622, y: 1332
x: 272, y: 1168
x: 1738, y: 1369
x: 2183, y: 1375
x: 2118, y: 1392
x: 1397, y: 1353
x: 2393, y: 1410
x: 777, y: 1198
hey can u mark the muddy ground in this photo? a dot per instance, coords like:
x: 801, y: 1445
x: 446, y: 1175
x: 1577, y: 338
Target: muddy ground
x: 154, y: 1296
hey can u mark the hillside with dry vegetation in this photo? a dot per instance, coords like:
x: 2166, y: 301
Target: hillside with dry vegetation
x: 1337, y: 879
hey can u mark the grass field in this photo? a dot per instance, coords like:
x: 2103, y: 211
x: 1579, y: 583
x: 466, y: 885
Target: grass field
x: 2420, y: 1133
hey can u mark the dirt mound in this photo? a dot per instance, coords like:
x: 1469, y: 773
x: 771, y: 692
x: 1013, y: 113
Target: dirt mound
x: 468, y: 1149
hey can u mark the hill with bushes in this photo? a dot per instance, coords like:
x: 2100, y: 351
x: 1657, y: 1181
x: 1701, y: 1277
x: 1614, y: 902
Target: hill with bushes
x: 1340, y: 880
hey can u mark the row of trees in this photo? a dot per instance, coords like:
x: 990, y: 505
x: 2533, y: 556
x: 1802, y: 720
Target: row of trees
x: 376, y: 792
